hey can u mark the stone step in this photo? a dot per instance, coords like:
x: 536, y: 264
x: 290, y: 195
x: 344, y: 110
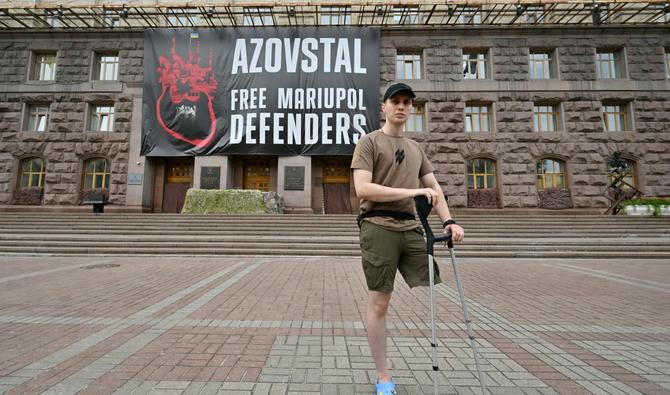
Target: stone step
x: 327, y: 235
x: 270, y: 239
x: 331, y: 244
x: 181, y: 251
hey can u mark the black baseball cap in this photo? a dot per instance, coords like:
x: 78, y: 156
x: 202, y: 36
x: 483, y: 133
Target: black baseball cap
x: 397, y: 88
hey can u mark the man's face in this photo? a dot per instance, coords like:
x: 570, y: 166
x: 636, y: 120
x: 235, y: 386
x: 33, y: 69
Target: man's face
x: 397, y: 108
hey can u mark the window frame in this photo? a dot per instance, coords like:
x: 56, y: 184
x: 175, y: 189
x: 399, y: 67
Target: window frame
x: 406, y: 15
x: 105, y: 174
x: 618, y: 63
x: 36, y: 68
x: 556, y: 112
x: 111, y: 18
x: 632, y: 175
x: 474, y: 175
x: 92, y: 114
x: 470, y: 16
x: 552, y: 63
x: 31, y: 174
x: 542, y: 174
x: 466, y: 63
x: 489, y: 116
x: 335, y: 15
x: 626, y: 112
x: 414, y: 115
x: 257, y: 16
x: 96, y: 71
x: 182, y: 17
x: 416, y: 57
x: 28, y: 117
x: 667, y: 61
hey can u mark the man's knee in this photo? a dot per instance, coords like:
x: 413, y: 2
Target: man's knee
x: 379, y: 303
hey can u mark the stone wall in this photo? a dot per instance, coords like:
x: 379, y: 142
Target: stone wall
x: 581, y: 142
x: 513, y: 145
x: 67, y: 144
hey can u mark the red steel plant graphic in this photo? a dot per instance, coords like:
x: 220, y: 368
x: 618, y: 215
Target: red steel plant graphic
x: 175, y: 73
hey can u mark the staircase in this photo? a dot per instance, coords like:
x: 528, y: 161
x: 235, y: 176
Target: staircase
x: 498, y: 235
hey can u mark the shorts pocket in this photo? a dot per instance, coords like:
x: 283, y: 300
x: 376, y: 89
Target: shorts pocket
x: 379, y: 271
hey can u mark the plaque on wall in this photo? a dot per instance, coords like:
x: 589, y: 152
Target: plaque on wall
x: 210, y: 177
x: 294, y: 178
x: 135, y: 178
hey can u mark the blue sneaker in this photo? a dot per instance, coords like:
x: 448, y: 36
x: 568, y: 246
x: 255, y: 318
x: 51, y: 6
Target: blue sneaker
x: 386, y: 388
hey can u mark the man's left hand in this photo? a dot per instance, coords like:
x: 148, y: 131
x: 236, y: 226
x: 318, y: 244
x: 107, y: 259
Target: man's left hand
x: 457, y: 233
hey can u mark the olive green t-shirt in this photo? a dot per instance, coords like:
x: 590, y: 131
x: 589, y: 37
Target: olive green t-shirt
x: 395, y: 162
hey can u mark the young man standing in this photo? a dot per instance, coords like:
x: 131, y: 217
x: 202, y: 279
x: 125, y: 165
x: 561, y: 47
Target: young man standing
x: 388, y: 169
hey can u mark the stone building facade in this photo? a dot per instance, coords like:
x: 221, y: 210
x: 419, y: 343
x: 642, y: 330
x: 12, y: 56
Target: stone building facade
x: 576, y: 95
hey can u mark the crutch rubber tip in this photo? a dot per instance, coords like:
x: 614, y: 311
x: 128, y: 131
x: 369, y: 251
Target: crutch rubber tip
x: 433, y: 345
x: 471, y: 337
x: 435, y: 368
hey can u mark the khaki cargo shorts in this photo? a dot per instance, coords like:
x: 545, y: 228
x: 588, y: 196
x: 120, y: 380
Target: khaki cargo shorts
x: 384, y: 252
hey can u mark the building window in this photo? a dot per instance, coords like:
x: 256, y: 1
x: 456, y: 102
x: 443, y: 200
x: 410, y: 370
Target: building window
x: 545, y: 118
x: 615, y: 117
x: 408, y: 66
x: 534, y: 13
x: 53, y: 18
x: 481, y: 173
x: 550, y: 174
x: 477, y: 118
x: 335, y: 15
x: 608, y: 64
x: 417, y: 118
x: 102, y: 118
x: 32, y: 173
x: 44, y: 67
x: 258, y: 16
x: 183, y: 17
x: 474, y: 64
x: 470, y: 15
x: 96, y: 173
x: 38, y: 118
x: 106, y: 67
x: 629, y: 179
x: 667, y: 63
x: 541, y: 65
x: 405, y: 15
x: 111, y: 19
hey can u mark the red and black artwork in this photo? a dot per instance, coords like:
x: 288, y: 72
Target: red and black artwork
x: 185, y: 108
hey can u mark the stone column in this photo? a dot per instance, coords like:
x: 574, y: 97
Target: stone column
x: 295, y: 199
x: 140, y: 171
x: 225, y: 181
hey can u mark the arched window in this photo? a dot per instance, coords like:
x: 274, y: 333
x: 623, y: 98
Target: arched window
x: 481, y: 173
x: 32, y: 172
x: 550, y: 174
x: 629, y: 179
x: 96, y: 173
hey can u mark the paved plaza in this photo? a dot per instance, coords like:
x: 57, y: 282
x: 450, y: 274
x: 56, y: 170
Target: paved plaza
x: 287, y: 325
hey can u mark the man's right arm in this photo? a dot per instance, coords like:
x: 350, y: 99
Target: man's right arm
x: 366, y: 189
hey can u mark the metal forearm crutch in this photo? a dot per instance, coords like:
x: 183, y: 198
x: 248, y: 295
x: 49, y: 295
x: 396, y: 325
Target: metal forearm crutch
x: 423, y: 208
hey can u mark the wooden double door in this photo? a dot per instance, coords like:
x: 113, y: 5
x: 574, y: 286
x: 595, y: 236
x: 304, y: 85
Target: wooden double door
x: 178, y: 179
x: 336, y: 190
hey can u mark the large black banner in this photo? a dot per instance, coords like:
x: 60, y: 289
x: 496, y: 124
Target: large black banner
x: 280, y: 91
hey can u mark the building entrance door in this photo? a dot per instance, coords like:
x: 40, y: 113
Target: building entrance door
x: 178, y: 179
x: 257, y: 174
x: 336, y: 190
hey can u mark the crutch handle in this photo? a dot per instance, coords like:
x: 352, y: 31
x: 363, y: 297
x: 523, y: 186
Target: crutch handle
x: 423, y: 209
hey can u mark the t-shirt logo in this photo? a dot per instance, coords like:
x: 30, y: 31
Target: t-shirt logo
x: 399, y: 155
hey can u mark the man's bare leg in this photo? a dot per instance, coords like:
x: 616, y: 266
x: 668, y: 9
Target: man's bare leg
x: 378, y: 304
